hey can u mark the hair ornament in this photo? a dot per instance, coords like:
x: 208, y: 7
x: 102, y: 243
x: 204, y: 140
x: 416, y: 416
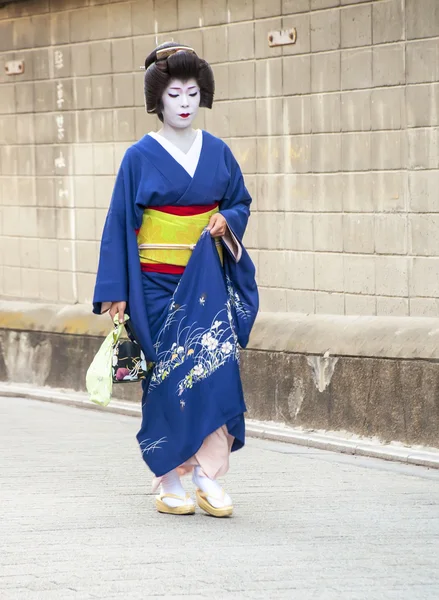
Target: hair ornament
x: 164, y: 53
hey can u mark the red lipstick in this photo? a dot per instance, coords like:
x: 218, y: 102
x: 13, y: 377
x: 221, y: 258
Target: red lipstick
x: 185, y: 115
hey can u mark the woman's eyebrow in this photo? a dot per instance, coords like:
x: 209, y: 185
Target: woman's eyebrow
x: 179, y: 88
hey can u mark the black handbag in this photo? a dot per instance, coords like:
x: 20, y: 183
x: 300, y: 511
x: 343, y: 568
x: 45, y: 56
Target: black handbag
x: 129, y: 362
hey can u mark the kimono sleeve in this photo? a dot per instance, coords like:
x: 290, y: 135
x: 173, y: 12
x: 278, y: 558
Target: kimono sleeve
x: 112, y: 276
x: 235, y: 206
x: 238, y: 266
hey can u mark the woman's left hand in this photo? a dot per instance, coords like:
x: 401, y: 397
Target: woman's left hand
x: 217, y: 225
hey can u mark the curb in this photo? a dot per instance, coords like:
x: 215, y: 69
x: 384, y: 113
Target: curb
x: 258, y: 429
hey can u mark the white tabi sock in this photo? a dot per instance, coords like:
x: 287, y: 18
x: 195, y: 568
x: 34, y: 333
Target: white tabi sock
x: 171, y: 484
x: 216, y: 496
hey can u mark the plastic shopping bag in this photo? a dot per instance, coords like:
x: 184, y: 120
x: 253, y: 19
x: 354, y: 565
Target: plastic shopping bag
x: 99, y: 378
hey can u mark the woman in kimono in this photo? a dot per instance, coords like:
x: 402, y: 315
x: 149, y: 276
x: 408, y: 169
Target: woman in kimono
x: 172, y: 259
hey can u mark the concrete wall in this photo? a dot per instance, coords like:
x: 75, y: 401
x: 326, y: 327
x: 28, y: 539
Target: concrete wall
x: 376, y: 377
x: 337, y: 135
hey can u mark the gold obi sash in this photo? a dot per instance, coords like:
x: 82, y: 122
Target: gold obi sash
x: 169, y: 239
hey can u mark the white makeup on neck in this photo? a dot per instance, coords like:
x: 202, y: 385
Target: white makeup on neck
x: 181, y: 101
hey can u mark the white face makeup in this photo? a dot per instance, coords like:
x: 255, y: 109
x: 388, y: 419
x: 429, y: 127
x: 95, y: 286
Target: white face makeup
x: 181, y: 102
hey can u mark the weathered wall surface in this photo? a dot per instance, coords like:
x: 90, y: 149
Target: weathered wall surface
x: 371, y: 381
x: 337, y: 136
x: 390, y: 399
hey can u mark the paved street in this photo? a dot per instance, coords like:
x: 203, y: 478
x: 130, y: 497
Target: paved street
x: 77, y: 522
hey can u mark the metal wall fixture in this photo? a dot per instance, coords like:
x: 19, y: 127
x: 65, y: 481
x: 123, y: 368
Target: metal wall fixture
x: 282, y: 38
x: 14, y: 67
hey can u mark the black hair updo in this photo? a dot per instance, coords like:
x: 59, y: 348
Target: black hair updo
x: 159, y: 72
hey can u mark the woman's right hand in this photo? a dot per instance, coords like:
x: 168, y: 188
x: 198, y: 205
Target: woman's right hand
x: 118, y: 308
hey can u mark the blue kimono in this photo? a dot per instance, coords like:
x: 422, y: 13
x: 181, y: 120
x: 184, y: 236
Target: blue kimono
x: 189, y: 325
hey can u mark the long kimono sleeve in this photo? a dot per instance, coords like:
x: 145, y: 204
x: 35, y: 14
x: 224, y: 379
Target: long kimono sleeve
x: 112, y: 275
x: 238, y: 266
x: 119, y: 278
x: 235, y: 206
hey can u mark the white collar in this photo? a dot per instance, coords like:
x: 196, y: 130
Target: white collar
x: 188, y: 161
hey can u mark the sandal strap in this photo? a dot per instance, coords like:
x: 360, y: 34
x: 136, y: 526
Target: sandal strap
x: 205, y: 495
x: 174, y: 496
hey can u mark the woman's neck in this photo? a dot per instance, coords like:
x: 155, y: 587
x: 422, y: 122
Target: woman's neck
x: 182, y: 138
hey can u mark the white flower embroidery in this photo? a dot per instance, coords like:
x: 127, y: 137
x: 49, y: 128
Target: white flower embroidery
x: 198, y: 370
x: 226, y: 348
x: 205, y: 339
x: 209, y: 341
x: 202, y: 301
x: 212, y: 344
x: 207, y: 350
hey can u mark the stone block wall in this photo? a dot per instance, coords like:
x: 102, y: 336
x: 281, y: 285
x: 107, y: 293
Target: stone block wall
x: 337, y: 136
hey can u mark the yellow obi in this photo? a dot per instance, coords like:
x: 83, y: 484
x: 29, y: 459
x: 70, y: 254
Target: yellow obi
x: 169, y: 239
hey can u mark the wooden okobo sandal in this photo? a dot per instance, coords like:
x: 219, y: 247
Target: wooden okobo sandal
x: 184, y: 509
x: 203, y: 503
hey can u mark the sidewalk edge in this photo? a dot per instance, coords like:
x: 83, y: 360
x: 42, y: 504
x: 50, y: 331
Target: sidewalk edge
x: 258, y: 429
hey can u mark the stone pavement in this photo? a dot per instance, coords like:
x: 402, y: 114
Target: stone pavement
x: 77, y: 522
